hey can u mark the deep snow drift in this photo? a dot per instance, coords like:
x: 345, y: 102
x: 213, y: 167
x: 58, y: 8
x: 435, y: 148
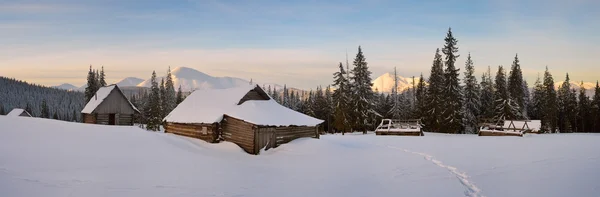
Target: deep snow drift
x: 40, y: 157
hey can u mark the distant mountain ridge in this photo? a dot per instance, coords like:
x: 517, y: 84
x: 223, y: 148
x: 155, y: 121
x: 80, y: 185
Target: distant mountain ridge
x: 65, y: 86
x: 190, y: 79
x: 129, y: 82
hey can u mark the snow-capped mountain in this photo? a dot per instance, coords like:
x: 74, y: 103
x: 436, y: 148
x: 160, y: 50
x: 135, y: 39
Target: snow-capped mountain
x: 385, y: 82
x: 129, y: 81
x: 66, y: 86
x: 190, y: 79
x: 576, y: 85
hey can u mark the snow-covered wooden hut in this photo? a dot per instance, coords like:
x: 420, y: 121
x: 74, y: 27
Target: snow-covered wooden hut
x: 246, y: 116
x: 18, y: 112
x: 109, y: 106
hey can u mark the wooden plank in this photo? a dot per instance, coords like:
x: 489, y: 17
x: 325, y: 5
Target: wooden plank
x: 413, y: 133
x: 495, y: 133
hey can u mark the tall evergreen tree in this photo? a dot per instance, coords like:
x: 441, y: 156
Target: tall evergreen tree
x: 487, y: 110
x: 471, y: 98
x: 515, y: 85
x: 535, y: 105
x: 421, y: 95
x: 90, y: 90
x: 328, y: 107
x: 584, y: 123
x: 362, y: 94
x: 596, y: 109
x: 2, y: 111
x: 340, y: 100
x: 395, y: 110
x: 549, y: 104
x: 55, y: 116
x: 45, y: 111
x: 505, y: 107
x: 170, y: 97
x: 163, y: 99
x: 179, y: 98
x: 452, y: 93
x: 153, y: 107
x: 434, y: 97
x: 102, y: 80
x: 566, y: 107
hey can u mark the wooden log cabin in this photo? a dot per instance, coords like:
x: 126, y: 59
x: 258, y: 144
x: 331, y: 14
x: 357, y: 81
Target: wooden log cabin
x: 109, y: 106
x: 246, y: 116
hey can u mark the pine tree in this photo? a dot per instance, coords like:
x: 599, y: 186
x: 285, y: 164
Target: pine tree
x: 102, y: 80
x: 55, y: 116
x: 362, y: 94
x: 340, y: 100
x: 550, y: 104
x: 179, y: 98
x: 487, y: 110
x: 170, y: 97
x: 395, y: 110
x: 45, y: 111
x: 2, y: 111
x: 74, y: 117
x: 471, y: 98
x: 434, y: 97
x: 583, y: 111
x: 566, y: 107
x: 515, y: 85
x: 526, y: 100
x: 284, y: 97
x: 452, y: 94
x: 421, y: 95
x: 153, y: 106
x: 90, y: 90
x: 163, y: 99
x: 97, y: 83
x: 535, y: 106
x: 505, y: 107
x: 596, y: 109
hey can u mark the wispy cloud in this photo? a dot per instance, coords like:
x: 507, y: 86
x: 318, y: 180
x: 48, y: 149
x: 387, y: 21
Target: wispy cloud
x: 38, y: 8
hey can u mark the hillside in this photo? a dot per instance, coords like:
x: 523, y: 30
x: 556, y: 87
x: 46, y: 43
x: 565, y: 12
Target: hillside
x: 56, y: 158
x: 129, y: 82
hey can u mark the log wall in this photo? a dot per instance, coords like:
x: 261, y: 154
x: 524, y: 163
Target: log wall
x: 271, y: 137
x: 206, y: 132
x: 240, y: 133
x: 89, y: 118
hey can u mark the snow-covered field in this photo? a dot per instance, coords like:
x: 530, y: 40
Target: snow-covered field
x: 40, y: 157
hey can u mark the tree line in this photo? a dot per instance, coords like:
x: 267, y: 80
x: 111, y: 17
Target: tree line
x: 444, y: 104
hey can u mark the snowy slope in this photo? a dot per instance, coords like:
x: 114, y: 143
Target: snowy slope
x: 129, y: 81
x: 65, y: 86
x: 41, y: 157
x: 191, y: 79
x: 385, y: 82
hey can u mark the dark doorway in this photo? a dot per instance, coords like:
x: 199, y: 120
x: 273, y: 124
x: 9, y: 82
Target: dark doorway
x: 111, y: 119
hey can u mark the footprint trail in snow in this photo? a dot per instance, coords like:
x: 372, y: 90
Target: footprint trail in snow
x: 472, y: 189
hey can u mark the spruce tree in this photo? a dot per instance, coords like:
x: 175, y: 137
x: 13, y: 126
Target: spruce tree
x: 487, y: 109
x: 452, y: 94
x: 340, y: 99
x: 505, y: 107
x: 515, y: 84
x: 596, y: 109
x: 2, y: 111
x: 153, y: 106
x: 163, y: 98
x: 421, y: 95
x: 44, y: 109
x: 55, y: 116
x: 362, y: 94
x: 394, y: 110
x: 328, y: 107
x: 535, y: 105
x: 565, y: 107
x: 102, y: 80
x: 170, y: 97
x: 91, y: 84
x: 179, y: 98
x: 434, y: 97
x: 550, y: 104
x: 471, y: 98
x: 583, y: 111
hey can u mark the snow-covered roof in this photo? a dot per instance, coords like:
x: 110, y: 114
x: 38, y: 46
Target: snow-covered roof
x: 99, y: 97
x: 17, y: 112
x: 209, y: 106
x: 271, y: 113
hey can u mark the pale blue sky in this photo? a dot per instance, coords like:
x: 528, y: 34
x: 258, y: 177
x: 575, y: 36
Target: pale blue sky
x: 290, y: 42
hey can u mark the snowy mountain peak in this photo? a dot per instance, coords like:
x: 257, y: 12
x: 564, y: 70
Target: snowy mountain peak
x: 191, y: 79
x: 129, y: 81
x: 66, y: 86
x: 385, y: 82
